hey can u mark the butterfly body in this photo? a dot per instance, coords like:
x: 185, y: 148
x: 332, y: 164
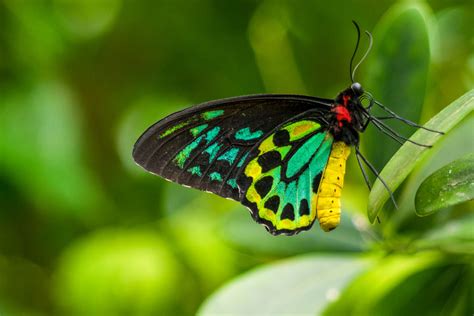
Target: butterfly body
x: 328, y: 197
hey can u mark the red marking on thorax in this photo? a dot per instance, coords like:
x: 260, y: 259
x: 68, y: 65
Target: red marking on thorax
x: 346, y: 99
x: 342, y: 113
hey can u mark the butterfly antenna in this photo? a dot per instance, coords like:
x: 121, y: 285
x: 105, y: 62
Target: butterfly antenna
x: 376, y: 173
x: 351, y: 73
x: 371, y: 42
x: 404, y: 120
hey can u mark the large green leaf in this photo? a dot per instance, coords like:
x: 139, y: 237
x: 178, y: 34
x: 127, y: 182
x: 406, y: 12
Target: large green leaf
x: 450, y: 185
x: 407, y: 157
x: 397, y: 71
x: 363, y: 294
x: 442, y: 289
x: 446, y: 151
x: 298, y: 286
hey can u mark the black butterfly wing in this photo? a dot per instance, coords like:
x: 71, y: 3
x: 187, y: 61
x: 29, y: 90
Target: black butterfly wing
x: 205, y: 146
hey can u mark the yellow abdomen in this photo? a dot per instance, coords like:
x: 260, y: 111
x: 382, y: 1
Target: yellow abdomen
x: 327, y: 201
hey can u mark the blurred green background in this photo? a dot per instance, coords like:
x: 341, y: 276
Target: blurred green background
x: 83, y: 230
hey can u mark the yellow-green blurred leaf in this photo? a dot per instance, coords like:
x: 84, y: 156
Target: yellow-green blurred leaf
x: 118, y: 271
x: 86, y: 19
x: 44, y: 155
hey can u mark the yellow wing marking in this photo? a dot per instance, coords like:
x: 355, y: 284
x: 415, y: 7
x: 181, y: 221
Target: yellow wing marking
x: 300, y: 129
x: 296, y: 130
x: 253, y: 169
x: 267, y: 145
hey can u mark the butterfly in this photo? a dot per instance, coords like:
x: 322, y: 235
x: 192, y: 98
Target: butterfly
x: 282, y: 156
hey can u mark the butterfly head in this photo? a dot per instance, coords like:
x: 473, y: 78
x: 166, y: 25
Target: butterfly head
x: 348, y: 108
x: 357, y: 89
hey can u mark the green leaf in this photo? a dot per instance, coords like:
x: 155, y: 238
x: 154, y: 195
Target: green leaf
x: 420, y: 292
x: 450, y: 185
x: 407, y: 157
x: 445, y: 151
x: 240, y: 230
x: 454, y: 237
x: 397, y: 71
x: 363, y: 294
x: 298, y: 286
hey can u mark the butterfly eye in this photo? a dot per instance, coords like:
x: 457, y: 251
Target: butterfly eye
x: 357, y: 88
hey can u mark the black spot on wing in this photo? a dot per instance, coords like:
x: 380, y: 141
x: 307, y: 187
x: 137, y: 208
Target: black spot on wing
x: 316, y: 182
x: 264, y: 185
x: 269, y: 160
x: 281, y: 138
x: 304, y: 207
x: 288, y: 212
x: 244, y: 182
x: 273, y: 203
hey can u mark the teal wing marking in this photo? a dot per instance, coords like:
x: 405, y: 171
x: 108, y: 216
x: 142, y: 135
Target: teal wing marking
x: 184, y: 154
x: 207, y: 146
x: 212, y: 114
x: 246, y: 134
x: 229, y: 155
x: 281, y: 177
x: 198, y: 129
x: 303, y: 155
x: 213, y: 157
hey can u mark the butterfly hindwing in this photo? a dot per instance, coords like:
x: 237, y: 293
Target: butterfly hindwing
x: 206, y: 146
x: 281, y: 179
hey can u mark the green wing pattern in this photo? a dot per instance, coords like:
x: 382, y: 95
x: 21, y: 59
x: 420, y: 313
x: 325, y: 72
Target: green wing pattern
x: 280, y: 181
x: 205, y: 146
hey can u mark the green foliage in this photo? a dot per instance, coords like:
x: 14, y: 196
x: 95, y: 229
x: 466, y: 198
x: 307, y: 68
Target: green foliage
x: 83, y: 230
x: 404, y: 26
x: 399, y: 278
x: 406, y: 158
x: 391, y: 286
x: 137, y: 265
x: 396, y: 283
x: 450, y: 185
x: 301, y: 285
x: 236, y: 231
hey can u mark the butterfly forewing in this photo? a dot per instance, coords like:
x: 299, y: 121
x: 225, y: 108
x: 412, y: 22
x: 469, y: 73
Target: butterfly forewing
x: 206, y: 146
